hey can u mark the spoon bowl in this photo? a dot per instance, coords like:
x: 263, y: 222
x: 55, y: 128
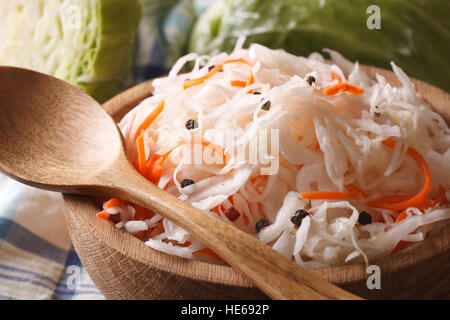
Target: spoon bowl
x: 55, y: 127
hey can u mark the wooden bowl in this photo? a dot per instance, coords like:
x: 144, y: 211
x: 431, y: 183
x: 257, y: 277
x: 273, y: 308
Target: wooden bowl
x: 122, y: 267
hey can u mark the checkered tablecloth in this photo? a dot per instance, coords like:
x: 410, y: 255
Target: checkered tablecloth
x: 37, y: 259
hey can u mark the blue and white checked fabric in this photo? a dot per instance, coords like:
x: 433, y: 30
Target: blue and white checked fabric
x: 37, y: 260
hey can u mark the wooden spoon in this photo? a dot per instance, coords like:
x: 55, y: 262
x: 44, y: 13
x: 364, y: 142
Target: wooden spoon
x: 55, y: 137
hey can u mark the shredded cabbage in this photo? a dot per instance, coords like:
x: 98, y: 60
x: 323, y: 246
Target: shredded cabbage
x: 326, y: 143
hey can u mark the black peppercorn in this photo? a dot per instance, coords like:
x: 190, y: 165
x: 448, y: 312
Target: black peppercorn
x: 266, y: 106
x: 191, y: 124
x: 261, y: 224
x: 310, y: 80
x: 256, y: 92
x: 364, y: 218
x: 187, y: 182
x: 298, y: 216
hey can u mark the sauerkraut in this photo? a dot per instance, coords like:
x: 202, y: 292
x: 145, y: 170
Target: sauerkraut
x: 339, y: 147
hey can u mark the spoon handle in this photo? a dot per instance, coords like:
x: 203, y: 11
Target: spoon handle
x: 269, y: 270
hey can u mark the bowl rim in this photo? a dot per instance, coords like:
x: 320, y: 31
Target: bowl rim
x: 83, y: 209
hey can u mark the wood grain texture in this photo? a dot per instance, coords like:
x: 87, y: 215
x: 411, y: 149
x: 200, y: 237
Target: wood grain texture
x: 54, y: 136
x: 124, y: 268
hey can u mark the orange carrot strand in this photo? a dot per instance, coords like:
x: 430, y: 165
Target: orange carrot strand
x: 149, y: 120
x: 142, y: 213
x: 353, y: 188
x: 334, y: 76
x: 114, y: 202
x: 192, y: 83
x: 236, y: 60
x: 142, y: 165
x: 331, y: 195
x: 419, y: 197
x: 401, y: 245
x: 157, y: 230
x: 217, y: 68
x: 103, y: 215
x: 334, y: 89
x: 238, y: 83
x: 156, y: 170
x: 351, y: 88
x: 342, y: 86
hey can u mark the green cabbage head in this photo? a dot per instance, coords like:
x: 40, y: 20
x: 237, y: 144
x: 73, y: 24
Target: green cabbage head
x: 88, y: 43
x: 414, y: 33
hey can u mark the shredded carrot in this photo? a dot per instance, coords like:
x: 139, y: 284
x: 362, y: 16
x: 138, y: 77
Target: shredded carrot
x: 213, y: 71
x: 142, y: 165
x: 334, y: 76
x: 114, y: 202
x: 103, y: 215
x: 400, y: 245
x: 141, y: 235
x: 148, y: 121
x: 419, y: 197
x: 334, y: 89
x: 427, y: 203
x: 156, y: 162
x: 236, y: 60
x: 401, y: 216
x: 342, y: 86
x: 152, y: 161
x: 156, y: 231
x: 142, y: 213
x: 334, y: 195
x: 351, y: 88
x: 186, y: 244
x: 156, y: 171
x: 238, y: 83
x: 194, y: 82
x: 135, y: 165
x: 216, y: 210
x: 200, y: 80
x: 353, y: 188
x: 439, y: 199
